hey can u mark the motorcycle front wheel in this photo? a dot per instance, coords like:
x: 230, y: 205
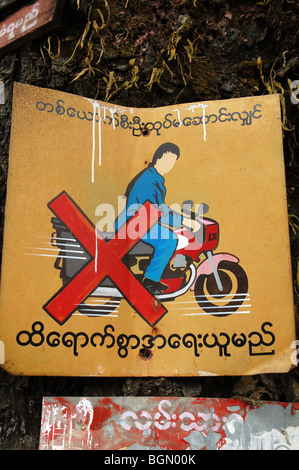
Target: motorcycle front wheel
x: 235, y: 287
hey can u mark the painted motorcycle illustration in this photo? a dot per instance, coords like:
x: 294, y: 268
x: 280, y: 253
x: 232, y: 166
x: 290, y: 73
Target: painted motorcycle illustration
x: 219, y: 283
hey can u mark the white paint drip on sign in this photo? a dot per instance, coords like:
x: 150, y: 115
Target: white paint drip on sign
x: 203, y: 106
x: 179, y: 117
x: 2, y: 353
x: 96, y: 112
x: 96, y: 251
x: 112, y: 111
x: 204, y: 120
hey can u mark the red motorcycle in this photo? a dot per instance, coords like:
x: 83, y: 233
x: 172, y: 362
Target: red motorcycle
x: 219, y: 283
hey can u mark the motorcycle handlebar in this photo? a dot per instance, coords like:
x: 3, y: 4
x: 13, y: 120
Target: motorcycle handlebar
x: 202, y: 209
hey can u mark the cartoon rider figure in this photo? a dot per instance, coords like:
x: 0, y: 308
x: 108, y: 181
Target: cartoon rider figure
x: 148, y: 185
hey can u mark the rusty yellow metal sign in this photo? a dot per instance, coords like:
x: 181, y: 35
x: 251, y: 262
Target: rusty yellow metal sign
x: 145, y: 242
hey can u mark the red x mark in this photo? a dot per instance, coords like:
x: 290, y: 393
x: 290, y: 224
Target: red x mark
x: 109, y: 263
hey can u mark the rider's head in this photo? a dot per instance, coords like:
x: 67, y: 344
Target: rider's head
x: 165, y: 157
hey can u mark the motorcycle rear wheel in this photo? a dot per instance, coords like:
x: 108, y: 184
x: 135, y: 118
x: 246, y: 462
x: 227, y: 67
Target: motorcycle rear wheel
x: 235, y: 287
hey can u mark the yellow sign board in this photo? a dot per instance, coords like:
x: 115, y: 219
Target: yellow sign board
x: 145, y: 242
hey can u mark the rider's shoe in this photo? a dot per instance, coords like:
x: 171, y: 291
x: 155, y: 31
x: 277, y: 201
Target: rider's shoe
x: 154, y: 287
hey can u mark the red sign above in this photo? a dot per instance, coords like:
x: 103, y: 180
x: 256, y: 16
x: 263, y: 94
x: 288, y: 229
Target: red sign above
x: 28, y: 23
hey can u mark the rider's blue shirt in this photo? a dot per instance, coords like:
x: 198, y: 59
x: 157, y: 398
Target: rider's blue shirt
x: 148, y: 186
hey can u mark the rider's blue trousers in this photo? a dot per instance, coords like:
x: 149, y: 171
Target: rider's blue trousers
x: 162, y: 239
x: 164, y: 242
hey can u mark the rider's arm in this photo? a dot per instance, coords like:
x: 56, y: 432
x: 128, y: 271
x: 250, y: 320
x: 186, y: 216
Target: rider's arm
x: 173, y: 219
x: 170, y: 217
